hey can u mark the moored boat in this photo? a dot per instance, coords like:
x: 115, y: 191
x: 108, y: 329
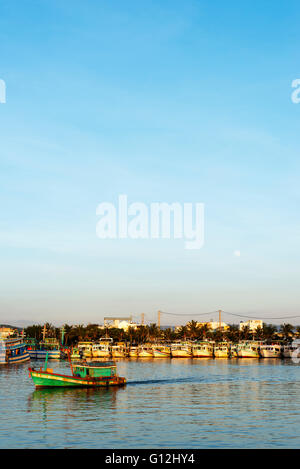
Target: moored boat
x: 119, y: 350
x: 161, y: 351
x: 291, y: 350
x: 133, y: 352
x: 13, y: 351
x: 203, y: 349
x: 249, y: 349
x: 221, y: 350
x: 181, y: 351
x: 271, y: 350
x: 145, y: 351
x: 85, y: 349
x: 39, y: 351
x: 101, y: 350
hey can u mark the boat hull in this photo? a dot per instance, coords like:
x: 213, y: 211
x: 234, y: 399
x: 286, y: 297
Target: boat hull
x: 44, y: 379
x: 145, y: 355
x: 219, y: 354
x: 160, y: 354
x: 181, y: 354
x: 41, y: 354
x: 202, y: 354
x: 21, y: 359
x: 101, y: 354
x: 269, y: 354
x: 248, y: 354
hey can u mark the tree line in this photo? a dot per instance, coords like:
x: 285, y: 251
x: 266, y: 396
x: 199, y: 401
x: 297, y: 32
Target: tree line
x: 151, y: 333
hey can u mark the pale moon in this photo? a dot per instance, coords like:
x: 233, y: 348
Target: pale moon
x: 237, y: 253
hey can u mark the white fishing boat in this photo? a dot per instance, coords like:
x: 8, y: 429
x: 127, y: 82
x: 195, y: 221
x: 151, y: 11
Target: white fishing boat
x: 101, y: 350
x: 292, y: 350
x: 203, y: 349
x: 161, y: 351
x: 133, y: 352
x: 145, y: 351
x: 181, y: 351
x: 85, y: 349
x: 271, y: 350
x: 119, y: 350
x: 221, y: 350
x: 249, y: 349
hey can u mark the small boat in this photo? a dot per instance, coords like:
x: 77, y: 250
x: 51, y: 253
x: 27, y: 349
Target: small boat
x: 13, y: 351
x: 39, y: 351
x: 203, y: 350
x: 161, y: 351
x: 291, y: 350
x: 222, y: 350
x: 145, y: 351
x: 84, y: 375
x: 133, y: 352
x: 250, y: 349
x: 101, y: 350
x: 181, y: 351
x: 119, y: 350
x: 271, y: 351
x: 85, y: 349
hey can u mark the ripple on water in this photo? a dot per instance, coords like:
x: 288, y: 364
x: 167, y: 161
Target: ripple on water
x: 166, y: 404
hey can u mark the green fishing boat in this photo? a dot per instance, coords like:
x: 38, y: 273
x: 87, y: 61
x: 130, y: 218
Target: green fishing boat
x: 84, y: 375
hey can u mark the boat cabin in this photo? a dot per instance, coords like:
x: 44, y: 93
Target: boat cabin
x: 95, y: 370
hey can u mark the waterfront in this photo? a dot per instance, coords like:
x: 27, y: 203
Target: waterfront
x: 184, y: 403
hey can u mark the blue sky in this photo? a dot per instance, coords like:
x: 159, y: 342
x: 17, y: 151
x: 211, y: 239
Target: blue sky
x: 163, y: 101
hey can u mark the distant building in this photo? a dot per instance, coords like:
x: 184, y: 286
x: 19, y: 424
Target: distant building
x: 253, y: 324
x: 7, y: 332
x: 119, y: 323
x: 214, y: 325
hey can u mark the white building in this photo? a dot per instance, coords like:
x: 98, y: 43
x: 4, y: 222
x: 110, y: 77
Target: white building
x: 253, y: 324
x: 119, y: 323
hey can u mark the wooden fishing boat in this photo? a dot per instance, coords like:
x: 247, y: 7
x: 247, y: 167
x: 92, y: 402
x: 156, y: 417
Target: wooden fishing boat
x: 119, y: 350
x: 161, y: 351
x: 249, y: 349
x: 13, y: 351
x: 203, y: 349
x: 145, y: 351
x: 85, y: 349
x: 84, y: 375
x: 182, y: 350
x: 221, y: 350
x: 49, y: 346
x: 133, y: 352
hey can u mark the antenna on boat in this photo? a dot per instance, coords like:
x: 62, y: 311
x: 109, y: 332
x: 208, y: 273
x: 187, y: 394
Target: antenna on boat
x: 158, y: 319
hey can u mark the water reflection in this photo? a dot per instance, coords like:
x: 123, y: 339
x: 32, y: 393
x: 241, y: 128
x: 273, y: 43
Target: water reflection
x: 201, y: 403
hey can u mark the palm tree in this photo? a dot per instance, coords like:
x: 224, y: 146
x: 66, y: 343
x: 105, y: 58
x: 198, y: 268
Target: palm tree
x: 182, y: 333
x: 193, y: 329
x: 287, y: 330
x: 233, y: 333
x: 268, y: 331
x: 169, y: 334
x: 204, y: 331
x: 245, y: 332
x: 153, y: 331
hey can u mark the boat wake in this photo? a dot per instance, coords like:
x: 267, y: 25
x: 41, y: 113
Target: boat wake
x: 189, y: 379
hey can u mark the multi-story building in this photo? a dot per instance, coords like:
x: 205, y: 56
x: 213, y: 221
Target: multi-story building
x: 253, y: 324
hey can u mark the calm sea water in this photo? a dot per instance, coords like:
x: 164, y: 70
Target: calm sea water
x: 179, y: 403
